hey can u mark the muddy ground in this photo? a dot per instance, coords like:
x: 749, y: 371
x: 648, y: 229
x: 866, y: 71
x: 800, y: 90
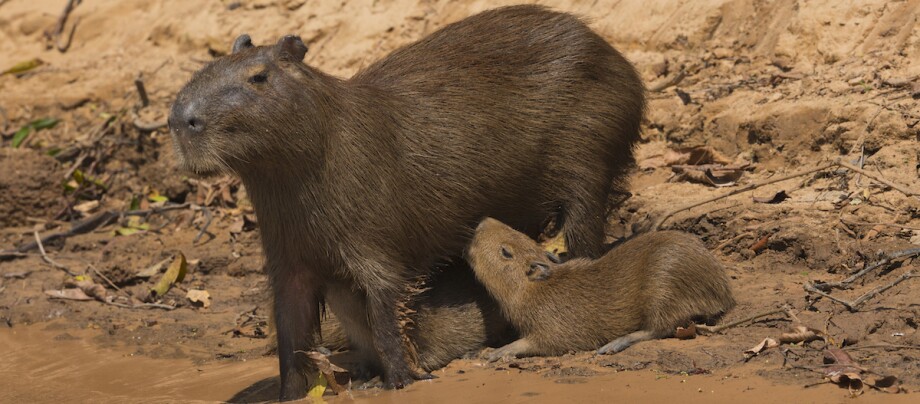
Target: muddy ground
x: 751, y: 90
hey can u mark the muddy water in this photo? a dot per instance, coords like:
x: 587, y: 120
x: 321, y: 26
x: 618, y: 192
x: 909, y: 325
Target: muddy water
x: 41, y: 365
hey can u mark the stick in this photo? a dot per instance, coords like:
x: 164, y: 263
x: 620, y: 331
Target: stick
x: 143, y: 306
x: 721, y: 327
x: 59, y: 27
x: 893, y: 225
x: 92, y: 223
x: 889, y: 346
x: 667, y: 82
x: 207, y: 223
x: 854, y: 305
x: 107, y: 280
x: 878, y: 178
x: 48, y: 259
x: 886, y: 259
x: 150, y: 126
x: 745, y: 188
x: 141, y: 90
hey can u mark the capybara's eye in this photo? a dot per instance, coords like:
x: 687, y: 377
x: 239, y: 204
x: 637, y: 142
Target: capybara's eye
x: 553, y: 258
x: 259, y: 78
x: 506, y: 254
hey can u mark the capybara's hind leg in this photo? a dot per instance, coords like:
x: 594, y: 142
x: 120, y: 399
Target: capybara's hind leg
x: 521, y: 347
x: 619, y: 344
x: 583, y: 226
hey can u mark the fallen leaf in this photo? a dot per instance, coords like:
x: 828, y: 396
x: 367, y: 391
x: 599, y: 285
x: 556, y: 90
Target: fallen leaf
x: 686, y: 333
x: 152, y: 270
x: 68, y: 294
x: 21, y: 135
x: 174, y: 274
x: 200, y: 297
x: 327, y: 370
x: 555, y: 245
x: 760, y: 244
x: 767, y: 343
x: 90, y: 288
x: 799, y: 334
x: 775, y: 198
x: 710, y: 174
x: 23, y: 67
x: 319, y: 388
x: 87, y: 206
x: 873, y: 232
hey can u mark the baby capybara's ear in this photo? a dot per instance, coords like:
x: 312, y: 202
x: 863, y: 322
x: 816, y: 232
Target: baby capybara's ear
x: 291, y: 48
x: 241, y: 42
x: 538, y: 271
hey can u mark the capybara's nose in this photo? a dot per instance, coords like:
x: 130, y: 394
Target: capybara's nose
x: 184, y: 119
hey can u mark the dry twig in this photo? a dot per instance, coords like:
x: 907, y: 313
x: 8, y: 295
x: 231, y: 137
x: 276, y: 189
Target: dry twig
x: 751, y: 186
x: 786, y: 310
x: 46, y: 258
x: 854, y: 305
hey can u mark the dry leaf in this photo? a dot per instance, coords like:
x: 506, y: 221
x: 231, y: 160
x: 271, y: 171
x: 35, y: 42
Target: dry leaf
x: 760, y: 244
x: 799, y: 334
x: 87, y: 206
x: 152, y: 270
x: 68, y: 294
x: 200, y: 297
x: 686, y: 333
x: 90, y: 288
x: 327, y: 370
x: 767, y: 343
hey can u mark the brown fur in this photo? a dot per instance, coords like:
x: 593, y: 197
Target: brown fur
x: 642, y: 289
x: 361, y: 185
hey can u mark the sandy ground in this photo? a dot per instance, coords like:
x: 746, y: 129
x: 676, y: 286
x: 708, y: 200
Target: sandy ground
x: 772, y: 87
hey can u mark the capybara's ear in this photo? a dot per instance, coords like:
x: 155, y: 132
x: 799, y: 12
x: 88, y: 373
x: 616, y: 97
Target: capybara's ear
x: 291, y: 47
x: 538, y: 271
x: 241, y: 42
x: 553, y: 258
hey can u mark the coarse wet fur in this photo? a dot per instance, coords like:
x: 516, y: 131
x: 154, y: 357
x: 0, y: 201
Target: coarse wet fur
x: 642, y: 289
x: 361, y: 185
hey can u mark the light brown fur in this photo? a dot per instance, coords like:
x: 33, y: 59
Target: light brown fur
x: 642, y: 289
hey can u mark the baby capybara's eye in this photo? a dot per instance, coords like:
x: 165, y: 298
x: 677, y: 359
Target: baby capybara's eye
x: 259, y: 78
x: 506, y: 254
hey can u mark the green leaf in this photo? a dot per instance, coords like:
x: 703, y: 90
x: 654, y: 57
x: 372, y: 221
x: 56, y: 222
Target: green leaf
x: 23, y: 67
x: 44, y: 123
x: 135, y: 203
x: 78, y: 177
x: 126, y: 231
x: 21, y: 135
x: 54, y: 151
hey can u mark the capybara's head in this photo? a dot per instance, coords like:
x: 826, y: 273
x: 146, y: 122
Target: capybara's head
x: 506, y: 260
x: 235, y: 112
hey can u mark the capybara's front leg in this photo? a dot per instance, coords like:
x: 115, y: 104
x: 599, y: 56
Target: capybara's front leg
x: 296, y: 306
x: 388, y: 340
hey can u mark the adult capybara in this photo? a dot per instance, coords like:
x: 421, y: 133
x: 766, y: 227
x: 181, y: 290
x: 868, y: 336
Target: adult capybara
x: 643, y: 289
x: 360, y: 185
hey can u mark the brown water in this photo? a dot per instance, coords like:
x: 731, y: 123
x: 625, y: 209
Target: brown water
x: 37, y: 366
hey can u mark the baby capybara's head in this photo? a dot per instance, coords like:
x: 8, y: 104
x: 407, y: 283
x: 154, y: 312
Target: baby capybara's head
x: 506, y: 259
x: 235, y: 111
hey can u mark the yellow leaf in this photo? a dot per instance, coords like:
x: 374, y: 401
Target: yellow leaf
x: 174, y: 274
x: 555, y: 245
x: 319, y: 388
